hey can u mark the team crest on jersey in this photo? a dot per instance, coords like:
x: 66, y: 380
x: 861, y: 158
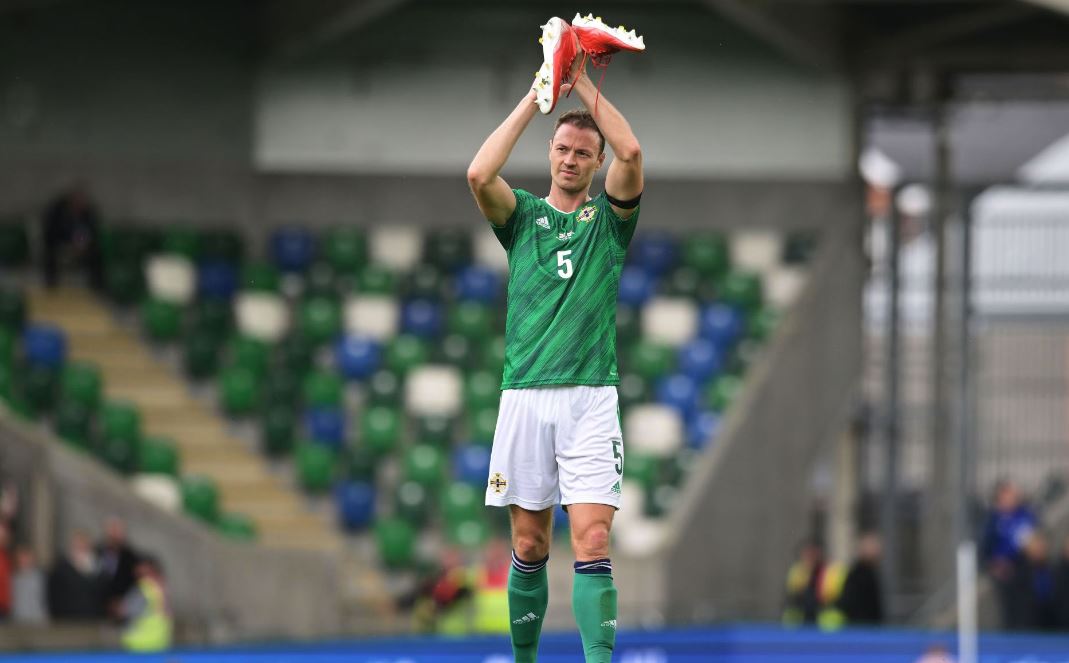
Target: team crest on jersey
x: 499, y: 483
x: 542, y: 222
x: 587, y: 214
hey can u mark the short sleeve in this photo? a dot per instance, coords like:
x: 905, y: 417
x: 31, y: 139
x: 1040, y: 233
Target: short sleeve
x: 507, y: 232
x: 622, y: 229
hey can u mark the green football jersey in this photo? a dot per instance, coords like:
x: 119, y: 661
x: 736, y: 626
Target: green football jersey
x: 564, y: 273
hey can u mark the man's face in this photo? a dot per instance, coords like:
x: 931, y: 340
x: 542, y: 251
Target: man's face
x: 574, y: 157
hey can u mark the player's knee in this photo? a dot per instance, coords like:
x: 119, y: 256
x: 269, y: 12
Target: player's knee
x: 592, y: 542
x: 531, y: 546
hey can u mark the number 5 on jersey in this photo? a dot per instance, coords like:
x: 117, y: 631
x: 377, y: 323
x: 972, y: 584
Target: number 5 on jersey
x: 564, y: 264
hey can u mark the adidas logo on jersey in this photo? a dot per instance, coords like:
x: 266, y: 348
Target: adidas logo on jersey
x: 567, y: 235
x: 610, y: 624
x: 542, y: 222
x: 531, y: 617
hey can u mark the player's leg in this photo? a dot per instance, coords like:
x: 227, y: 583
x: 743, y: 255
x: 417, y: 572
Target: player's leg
x: 528, y: 586
x: 590, y: 463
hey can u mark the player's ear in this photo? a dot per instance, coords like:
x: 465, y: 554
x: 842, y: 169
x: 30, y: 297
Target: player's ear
x: 601, y: 159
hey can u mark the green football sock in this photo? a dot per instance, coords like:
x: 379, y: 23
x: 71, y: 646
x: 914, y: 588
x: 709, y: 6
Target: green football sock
x: 594, y: 605
x: 528, y: 592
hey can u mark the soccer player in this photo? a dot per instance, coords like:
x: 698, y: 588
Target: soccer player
x: 558, y: 436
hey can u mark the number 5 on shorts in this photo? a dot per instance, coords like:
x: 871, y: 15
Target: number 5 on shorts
x: 618, y: 456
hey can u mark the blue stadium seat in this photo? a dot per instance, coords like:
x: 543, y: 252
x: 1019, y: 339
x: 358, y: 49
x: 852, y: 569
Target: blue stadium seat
x: 217, y: 280
x: 657, y: 253
x: 679, y: 392
x: 422, y: 318
x: 355, y: 502
x: 326, y: 426
x: 636, y: 287
x: 721, y: 324
x: 478, y: 284
x: 702, y: 427
x: 700, y: 360
x: 471, y: 464
x: 357, y: 357
x: 292, y: 249
x: 45, y: 345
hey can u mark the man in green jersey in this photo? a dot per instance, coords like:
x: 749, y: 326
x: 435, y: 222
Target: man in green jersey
x: 558, y: 436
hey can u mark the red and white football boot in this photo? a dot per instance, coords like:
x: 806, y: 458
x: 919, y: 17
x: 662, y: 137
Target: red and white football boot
x: 599, y: 41
x: 559, y: 48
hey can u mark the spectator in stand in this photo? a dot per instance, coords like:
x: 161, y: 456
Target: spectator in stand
x: 491, y: 589
x: 118, y: 561
x: 813, y: 589
x: 28, y: 589
x: 862, y: 598
x: 1036, y: 606
x: 72, y: 236
x: 75, y: 585
x: 146, y: 611
x: 1009, y: 524
x: 6, y: 572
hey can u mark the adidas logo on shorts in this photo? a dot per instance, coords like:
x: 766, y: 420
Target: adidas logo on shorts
x: 616, y: 488
x: 531, y: 617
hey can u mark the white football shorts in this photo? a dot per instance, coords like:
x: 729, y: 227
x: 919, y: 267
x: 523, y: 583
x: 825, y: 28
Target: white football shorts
x: 557, y: 445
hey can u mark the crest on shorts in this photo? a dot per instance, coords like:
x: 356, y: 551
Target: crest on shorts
x: 498, y: 482
x: 587, y: 214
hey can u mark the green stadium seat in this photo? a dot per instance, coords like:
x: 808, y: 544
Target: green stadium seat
x: 320, y: 281
x: 633, y: 389
x: 12, y: 310
x: 424, y: 464
x: 73, y: 423
x: 435, y: 430
x: 494, y: 355
x: 359, y: 462
x: 278, y: 431
x: 722, y: 391
x: 376, y: 280
x: 158, y: 455
x: 482, y: 389
x: 182, y: 241
x: 249, y: 353
x: 162, y: 320
x: 222, y: 246
x: 650, y: 360
x: 643, y: 468
x: 200, y: 498
x: 425, y: 282
x: 129, y: 244
x: 282, y: 389
x: 742, y: 289
x: 384, y: 388
x: 707, y: 253
x: 471, y: 534
x: 406, y: 352
x: 323, y: 389
x: 688, y: 282
x: 482, y: 424
x: 315, y: 467
x: 456, y: 350
x: 14, y: 245
x: 40, y: 385
x: 412, y: 503
x: 260, y: 277
x: 462, y: 501
x: 239, y: 391
x: 380, y: 430
x: 447, y: 250
x: 201, y: 357
x: 743, y: 356
x: 81, y: 382
x: 120, y: 453
x: 761, y: 323
x: 396, y: 542
x: 124, y: 280
x: 8, y: 345
x: 472, y: 320
x: 319, y: 319
x: 211, y: 316
x: 237, y: 527
x: 119, y: 419
x: 345, y: 249
x: 295, y: 353
x: 660, y: 500
x: 628, y: 325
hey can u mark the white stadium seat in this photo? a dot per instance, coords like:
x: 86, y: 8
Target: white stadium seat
x: 172, y: 278
x: 374, y: 316
x: 669, y: 320
x: 398, y: 247
x: 433, y: 390
x: 489, y: 252
x: 159, y: 489
x: 756, y: 250
x: 262, y: 315
x: 783, y: 285
x: 652, y: 429
x: 632, y: 502
x: 640, y: 536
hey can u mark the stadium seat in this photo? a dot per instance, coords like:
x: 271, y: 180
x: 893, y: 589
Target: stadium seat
x: 249, y: 353
x: 201, y: 357
x: 433, y: 390
x: 345, y: 249
x: 315, y: 467
x: 707, y: 253
x: 262, y: 315
x: 321, y: 281
x: 200, y: 498
x: 7, y: 346
x: 81, y: 382
x: 217, y: 280
x: 161, y: 490
x: 118, y: 452
x: 259, y: 277
x: 412, y: 503
x: 39, y: 386
x: 380, y: 430
x: 633, y: 389
x: 374, y: 316
x: 653, y: 429
x: 435, y: 430
x: 239, y: 391
x: 424, y: 464
x: 357, y: 462
x: 181, y: 241
x: 722, y: 392
x: 322, y: 389
x: 688, y: 283
x: 326, y: 426
x: 636, y: 287
x: 384, y: 388
x: 471, y: 464
x: 471, y: 534
x: 481, y: 389
x: 158, y: 455
x: 376, y: 280
x: 660, y: 500
x: 161, y: 319
x: 222, y: 246
x: 72, y: 423
x: 700, y: 360
x: 14, y: 244
x: 783, y: 285
x: 44, y: 345
x: 742, y: 290
x: 476, y: 283
x: 119, y: 419
x: 455, y: 350
x: 756, y: 250
x: 447, y: 249
x: 488, y: 252
x: 212, y: 316
x: 650, y: 360
x: 642, y: 469
x: 472, y: 320
x: 396, y: 542
x: 12, y: 310
x: 124, y: 281
x: 292, y: 249
x: 655, y: 252
x: 236, y: 527
x: 320, y: 319
x: 462, y: 501
x: 406, y: 352
x: 171, y: 278
x: 357, y: 357
x: 761, y: 324
x: 128, y: 244
x: 679, y: 392
x: 355, y: 504
x: 295, y: 353
x: 721, y: 324
x: 278, y: 431
x: 670, y: 321
x: 396, y: 247
x: 702, y: 428
x: 422, y: 318
x: 482, y: 424
x: 628, y: 325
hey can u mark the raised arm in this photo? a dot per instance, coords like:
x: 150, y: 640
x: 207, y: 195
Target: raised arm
x: 492, y: 193
x: 623, y: 181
